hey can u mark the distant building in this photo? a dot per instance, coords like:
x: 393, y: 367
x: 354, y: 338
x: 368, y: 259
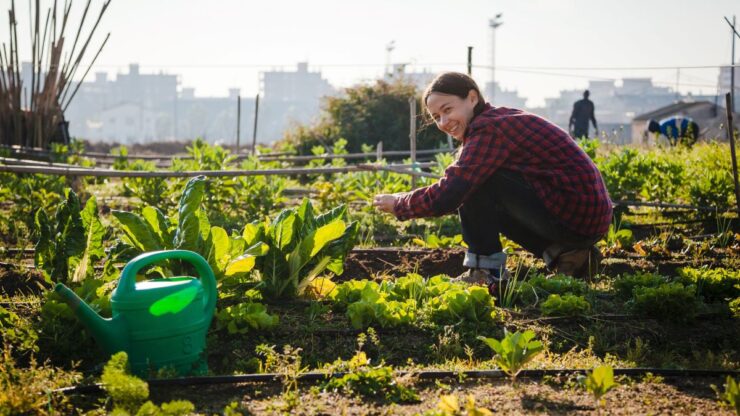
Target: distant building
x: 709, y: 116
x: 419, y: 79
x: 725, y: 81
x: 503, y: 98
x: 289, y: 97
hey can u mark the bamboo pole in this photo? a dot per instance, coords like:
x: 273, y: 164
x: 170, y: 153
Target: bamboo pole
x: 110, y: 173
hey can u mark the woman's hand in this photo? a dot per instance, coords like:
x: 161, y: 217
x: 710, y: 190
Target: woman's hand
x: 385, y: 202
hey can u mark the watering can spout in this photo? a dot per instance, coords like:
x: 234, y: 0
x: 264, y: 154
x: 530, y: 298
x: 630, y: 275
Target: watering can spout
x: 109, y: 333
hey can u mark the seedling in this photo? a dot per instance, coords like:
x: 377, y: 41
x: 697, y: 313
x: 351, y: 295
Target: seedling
x: 598, y: 382
x: 514, y: 351
x: 731, y: 395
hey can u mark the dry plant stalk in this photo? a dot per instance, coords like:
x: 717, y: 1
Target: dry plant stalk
x: 33, y: 115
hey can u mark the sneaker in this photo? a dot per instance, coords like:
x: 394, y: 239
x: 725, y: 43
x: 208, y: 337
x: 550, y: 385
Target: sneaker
x: 582, y: 263
x: 491, y: 279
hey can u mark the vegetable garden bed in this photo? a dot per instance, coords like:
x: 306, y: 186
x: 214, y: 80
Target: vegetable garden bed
x: 307, y: 293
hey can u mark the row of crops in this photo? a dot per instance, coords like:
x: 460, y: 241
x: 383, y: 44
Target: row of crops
x: 349, y: 311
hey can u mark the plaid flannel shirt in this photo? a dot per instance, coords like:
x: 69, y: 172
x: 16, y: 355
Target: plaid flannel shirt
x: 560, y: 172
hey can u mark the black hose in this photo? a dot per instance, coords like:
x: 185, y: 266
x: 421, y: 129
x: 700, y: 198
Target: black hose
x: 424, y: 375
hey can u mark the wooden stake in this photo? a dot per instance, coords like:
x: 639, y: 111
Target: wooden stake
x: 238, y: 121
x: 731, y: 135
x: 256, y: 116
x: 412, y: 136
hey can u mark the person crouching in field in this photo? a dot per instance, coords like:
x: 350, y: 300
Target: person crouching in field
x: 516, y: 174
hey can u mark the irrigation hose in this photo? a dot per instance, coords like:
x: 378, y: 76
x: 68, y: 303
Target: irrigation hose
x: 423, y: 375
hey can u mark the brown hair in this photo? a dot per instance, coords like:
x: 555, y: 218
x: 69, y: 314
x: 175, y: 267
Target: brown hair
x: 453, y: 83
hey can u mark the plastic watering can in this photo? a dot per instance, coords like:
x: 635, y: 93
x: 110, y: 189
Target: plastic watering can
x: 159, y: 323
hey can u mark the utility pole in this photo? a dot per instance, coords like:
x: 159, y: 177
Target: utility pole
x: 732, y: 66
x: 732, y: 61
x: 388, y: 49
x: 494, y: 24
x: 470, y: 61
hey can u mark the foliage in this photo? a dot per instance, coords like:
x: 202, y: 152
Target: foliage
x: 67, y: 248
x: 471, y: 304
x: 669, y: 301
x: 715, y: 284
x: 155, y: 191
x: 514, y: 351
x: 599, y: 381
x: 30, y: 390
x: 540, y: 286
x: 130, y: 393
x: 301, y: 246
x: 567, y: 305
x: 366, y: 114
x: 625, y: 285
x: 370, y: 381
x: 243, y: 317
x: 618, y: 237
x: 435, y: 241
x: 412, y: 297
x: 17, y: 332
x: 731, y: 394
x: 230, y: 257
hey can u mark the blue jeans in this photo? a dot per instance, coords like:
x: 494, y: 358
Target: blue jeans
x: 506, y: 204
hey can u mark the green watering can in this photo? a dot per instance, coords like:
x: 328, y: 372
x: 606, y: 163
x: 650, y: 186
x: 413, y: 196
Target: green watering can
x: 159, y: 323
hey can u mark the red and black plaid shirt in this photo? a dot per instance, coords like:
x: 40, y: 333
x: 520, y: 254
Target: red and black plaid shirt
x: 562, y: 175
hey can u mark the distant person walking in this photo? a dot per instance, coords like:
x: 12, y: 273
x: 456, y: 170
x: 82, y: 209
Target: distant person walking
x: 676, y: 129
x: 583, y: 112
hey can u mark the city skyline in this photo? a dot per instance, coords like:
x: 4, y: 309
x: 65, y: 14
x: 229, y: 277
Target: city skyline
x: 542, y: 48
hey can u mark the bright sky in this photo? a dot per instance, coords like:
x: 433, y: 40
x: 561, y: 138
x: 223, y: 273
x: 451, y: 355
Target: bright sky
x: 225, y: 43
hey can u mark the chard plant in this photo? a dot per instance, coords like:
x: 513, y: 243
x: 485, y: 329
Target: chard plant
x: 230, y: 257
x: 301, y: 246
x: 68, y: 246
x: 514, y: 351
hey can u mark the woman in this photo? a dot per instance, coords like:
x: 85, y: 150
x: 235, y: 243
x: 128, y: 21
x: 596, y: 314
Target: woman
x: 517, y: 174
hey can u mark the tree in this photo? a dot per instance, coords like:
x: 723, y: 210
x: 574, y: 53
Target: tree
x: 367, y: 114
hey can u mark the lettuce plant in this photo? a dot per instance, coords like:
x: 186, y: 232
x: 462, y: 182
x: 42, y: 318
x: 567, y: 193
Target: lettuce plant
x: 566, y: 305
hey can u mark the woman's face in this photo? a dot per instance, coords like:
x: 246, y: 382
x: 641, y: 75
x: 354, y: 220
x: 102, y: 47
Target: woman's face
x: 452, y: 113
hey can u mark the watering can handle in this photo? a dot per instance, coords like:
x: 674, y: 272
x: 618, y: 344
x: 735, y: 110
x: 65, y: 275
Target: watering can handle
x: 127, y: 283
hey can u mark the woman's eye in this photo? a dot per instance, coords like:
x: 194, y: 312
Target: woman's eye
x: 447, y: 110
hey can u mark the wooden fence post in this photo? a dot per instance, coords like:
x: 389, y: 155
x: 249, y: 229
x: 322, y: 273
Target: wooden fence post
x: 412, y: 137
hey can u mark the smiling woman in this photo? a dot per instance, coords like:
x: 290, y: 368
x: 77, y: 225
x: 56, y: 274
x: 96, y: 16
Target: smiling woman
x: 517, y: 174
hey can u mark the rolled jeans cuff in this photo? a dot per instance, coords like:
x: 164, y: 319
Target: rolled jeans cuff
x: 492, y: 261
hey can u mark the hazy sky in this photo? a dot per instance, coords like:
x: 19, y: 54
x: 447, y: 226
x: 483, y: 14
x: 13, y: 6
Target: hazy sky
x: 219, y: 44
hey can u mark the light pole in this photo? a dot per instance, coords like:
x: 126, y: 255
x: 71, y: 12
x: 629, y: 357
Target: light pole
x: 493, y: 24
